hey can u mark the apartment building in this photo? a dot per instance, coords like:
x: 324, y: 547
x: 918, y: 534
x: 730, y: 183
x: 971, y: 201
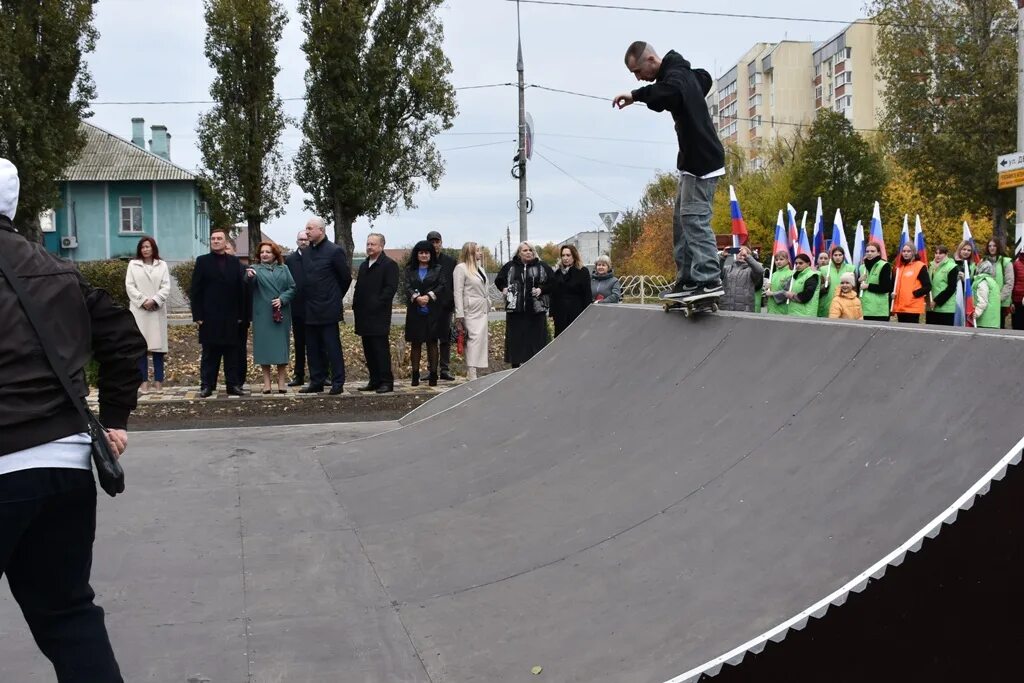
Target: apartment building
x: 775, y: 88
x: 845, y: 79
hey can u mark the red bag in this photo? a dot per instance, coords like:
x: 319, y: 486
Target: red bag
x: 460, y: 342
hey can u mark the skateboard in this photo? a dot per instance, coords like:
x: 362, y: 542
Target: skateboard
x: 707, y: 303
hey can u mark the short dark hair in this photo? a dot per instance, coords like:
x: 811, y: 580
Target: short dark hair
x: 635, y: 51
x: 152, y: 243
x: 941, y: 249
x: 221, y: 231
x: 803, y: 257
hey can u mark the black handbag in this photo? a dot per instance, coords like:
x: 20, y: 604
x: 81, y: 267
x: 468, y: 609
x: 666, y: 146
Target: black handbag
x: 108, y: 469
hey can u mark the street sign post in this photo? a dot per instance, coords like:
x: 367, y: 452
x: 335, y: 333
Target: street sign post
x: 609, y: 217
x: 1013, y: 178
x: 1009, y: 162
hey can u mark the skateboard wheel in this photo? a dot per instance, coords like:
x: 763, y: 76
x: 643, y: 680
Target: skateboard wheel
x: 686, y: 312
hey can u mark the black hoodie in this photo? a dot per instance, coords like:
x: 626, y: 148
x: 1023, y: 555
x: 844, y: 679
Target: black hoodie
x: 681, y: 91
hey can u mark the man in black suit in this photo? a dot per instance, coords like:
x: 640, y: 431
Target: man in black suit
x: 327, y: 279
x: 447, y: 264
x: 218, y: 307
x: 294, y: 263
x: 376, y: 285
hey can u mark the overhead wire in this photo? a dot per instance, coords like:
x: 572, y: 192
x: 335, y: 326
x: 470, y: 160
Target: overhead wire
x: 580, y: 182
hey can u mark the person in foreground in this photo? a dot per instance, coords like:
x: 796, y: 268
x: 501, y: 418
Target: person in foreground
x: 326, y: 279
x: 147, y: 282
x: 376, y: 287
x: 523, y: 282
x: 426, y: 321
x: 273, y: 291
x: 680, y: 90
x: 47, y: 491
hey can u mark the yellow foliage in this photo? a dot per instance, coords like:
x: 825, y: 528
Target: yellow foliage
x: 652, y: 251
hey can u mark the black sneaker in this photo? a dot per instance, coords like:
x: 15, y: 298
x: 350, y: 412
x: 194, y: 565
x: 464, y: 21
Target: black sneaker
x: 680, y: 290
x: 709, y: 288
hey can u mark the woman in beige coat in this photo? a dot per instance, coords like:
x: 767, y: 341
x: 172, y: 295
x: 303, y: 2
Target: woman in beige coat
x: 472, y: 306
x: 148, y: 284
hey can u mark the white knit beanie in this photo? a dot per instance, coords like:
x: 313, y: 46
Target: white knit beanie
x: 9, y: 188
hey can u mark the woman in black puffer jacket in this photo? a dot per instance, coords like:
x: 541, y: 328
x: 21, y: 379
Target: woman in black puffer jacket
x: 523, y: 282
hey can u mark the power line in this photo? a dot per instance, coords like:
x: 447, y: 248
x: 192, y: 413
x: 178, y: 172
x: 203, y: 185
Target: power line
x: 729, y: 15
x: 598, y: 161
x: 580, y: 182
x: 283, y: 99
x: 483, y: 144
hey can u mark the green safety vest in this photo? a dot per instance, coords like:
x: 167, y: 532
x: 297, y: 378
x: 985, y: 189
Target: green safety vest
x: 990, y: 318
x: 809, y: 309
x: 874, y: 304
x: 998, y: 265
x: 776, y: 286
x: 832, y: 274
x: 757, y: 300
x: 938, y: 276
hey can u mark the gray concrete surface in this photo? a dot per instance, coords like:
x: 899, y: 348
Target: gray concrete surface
x: 453, y: 396
x: 644, y: 496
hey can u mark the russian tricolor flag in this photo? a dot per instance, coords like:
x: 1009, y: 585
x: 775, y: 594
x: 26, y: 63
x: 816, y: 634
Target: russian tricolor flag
x: 904, y: 234
x: 739, y: 226
x: 839, y: 236
x: 968, y: 238
x: 858, y: 245
x: 876, y: 230
x: 819, y: 230
x: 781, y: 239
x: 793, y: 236
x: 963, y: 316
x: 803, y: 245
x: 919, y: 244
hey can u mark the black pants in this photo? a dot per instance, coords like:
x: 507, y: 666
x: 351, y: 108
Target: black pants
x: 299, y: 333
x: 445, y: 344
x: 879, y: 318
x: 1018, y: 317
x: 323, y: 344
x: 209, y: 365
x: 908, y: 317
x: 936, y: 318
x: 47, y: 526
x: 377, y: 350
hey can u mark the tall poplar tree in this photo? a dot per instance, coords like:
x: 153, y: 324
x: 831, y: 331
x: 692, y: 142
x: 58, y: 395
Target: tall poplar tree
x: 45, y: 90
x: 377, y: 92
x: 240, y: 137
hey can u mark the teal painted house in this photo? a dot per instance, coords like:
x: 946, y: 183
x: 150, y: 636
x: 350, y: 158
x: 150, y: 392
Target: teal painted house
x: 119, y: 191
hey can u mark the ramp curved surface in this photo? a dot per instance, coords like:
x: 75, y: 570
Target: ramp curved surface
x: 653, y: 497
x: 452, y: 397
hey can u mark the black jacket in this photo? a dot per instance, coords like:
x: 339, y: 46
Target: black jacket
x: 448, y: 264
x: 570, y: 295
x: 219, y: 298
x: 376, y: 287
x: 86, y: 322
x: 681, y: 90
x: 948, y: 288
x: 294, y: 263
x: 520, y: 280
x: 327, y: 279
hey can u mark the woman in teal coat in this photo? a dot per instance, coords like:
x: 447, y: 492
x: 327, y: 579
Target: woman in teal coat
x: 272, y: 291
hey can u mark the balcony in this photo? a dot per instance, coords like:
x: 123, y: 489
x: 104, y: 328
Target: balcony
x: 840, y: 67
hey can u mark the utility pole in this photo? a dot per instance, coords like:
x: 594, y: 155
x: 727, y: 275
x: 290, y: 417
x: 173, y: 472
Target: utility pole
x: 1019, y: 219
x: 522, y: 132
x: 508, y: 241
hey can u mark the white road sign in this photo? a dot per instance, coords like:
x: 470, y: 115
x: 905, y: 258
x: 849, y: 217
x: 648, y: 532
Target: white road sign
x: 609, y: 217
x: 1009, y: 162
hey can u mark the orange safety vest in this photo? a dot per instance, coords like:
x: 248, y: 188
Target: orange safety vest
x: 907, y: 281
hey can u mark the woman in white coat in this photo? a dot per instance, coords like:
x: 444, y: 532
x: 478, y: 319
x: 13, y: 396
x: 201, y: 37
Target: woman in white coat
x: 148, y: 284
x: 472, y: 306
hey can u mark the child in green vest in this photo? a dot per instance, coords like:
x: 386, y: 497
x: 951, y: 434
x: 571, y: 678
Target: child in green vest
x: 875, y: 283
x: 835, y: 268
x: 775, y: 295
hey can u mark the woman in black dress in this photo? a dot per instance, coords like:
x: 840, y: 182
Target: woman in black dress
x: 523, y: 281
x: 425, y: 293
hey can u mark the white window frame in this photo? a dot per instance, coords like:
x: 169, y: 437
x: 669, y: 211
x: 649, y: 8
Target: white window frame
x: 133, y: 210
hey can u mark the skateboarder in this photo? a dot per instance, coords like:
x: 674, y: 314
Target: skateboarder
x: 701, y: 161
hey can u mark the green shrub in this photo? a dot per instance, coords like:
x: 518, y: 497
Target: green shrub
x: 108, y: 276
x: 182, y: 273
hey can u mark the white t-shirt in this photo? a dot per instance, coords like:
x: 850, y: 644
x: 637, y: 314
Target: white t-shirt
x: 70, y: 453
x: 714, y: 174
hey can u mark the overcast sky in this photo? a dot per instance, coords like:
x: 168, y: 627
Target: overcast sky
x: 152, y: 51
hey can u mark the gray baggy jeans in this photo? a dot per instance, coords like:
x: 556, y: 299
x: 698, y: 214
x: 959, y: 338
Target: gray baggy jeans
x: 696, y: 253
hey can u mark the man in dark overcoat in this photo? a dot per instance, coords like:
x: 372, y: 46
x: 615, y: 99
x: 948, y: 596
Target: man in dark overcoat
x: 218, y: 307
x: 376, y: 285
x: 328, y: 277
x: 447, y: 264
x: 294, y: 263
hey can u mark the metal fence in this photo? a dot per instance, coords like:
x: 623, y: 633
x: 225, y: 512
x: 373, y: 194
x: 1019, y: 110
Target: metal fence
x: 639, y: 289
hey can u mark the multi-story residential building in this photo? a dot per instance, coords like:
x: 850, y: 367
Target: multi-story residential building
x: 776, y: 88
x: 845, y: 78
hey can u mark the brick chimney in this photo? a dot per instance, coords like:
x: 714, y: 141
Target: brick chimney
x: 160, y: 143
x: 139, y: 132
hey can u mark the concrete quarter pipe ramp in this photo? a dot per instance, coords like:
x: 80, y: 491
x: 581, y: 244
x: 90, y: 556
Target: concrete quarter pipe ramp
x: 652, y: 498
